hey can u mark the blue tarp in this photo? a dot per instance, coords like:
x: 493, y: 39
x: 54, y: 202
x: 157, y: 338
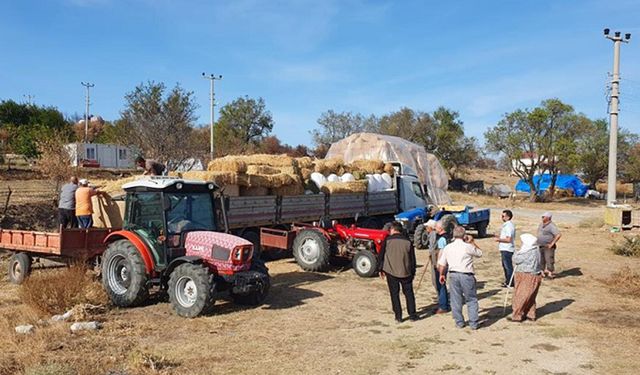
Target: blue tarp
x: 564, y: 181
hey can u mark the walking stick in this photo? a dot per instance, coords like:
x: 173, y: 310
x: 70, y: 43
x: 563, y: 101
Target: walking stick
x: 506, y: 296
x: 423, y: 272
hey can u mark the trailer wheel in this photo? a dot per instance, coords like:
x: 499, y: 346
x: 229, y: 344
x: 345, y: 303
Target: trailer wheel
x: 19, y: 267
x: 365, y: 263
x: 256, y: 298
x: 191, y: 290
x: 482, y: 228
x: 311, y: 250
x: 124, y: 277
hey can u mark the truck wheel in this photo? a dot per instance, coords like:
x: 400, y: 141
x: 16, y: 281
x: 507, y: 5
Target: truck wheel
x: 421, y: 237
x: 448, y: 222
x: 482, y: 228
x: 365, y: 263
x: 311, y: 250
x: 124, y: 277
x: 191, y: 290
x: 19, y: 267
x: 256, y: 298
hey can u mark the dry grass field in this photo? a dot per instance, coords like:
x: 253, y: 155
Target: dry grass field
x: 339, y: 323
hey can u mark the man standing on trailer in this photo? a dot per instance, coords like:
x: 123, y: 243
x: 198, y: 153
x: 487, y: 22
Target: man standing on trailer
x: 84, y: 207
x: 67, y: 204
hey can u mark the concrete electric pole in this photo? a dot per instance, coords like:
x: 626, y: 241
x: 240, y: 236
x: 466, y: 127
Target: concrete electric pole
x: 212, y: 78
x: 86, y: 112
x: 29, y: 98
x: 613, y: 114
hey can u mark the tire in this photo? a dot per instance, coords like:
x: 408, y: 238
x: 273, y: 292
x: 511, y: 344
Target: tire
x: 191, y: 290
x: 256, y: 298
x: 365, y: 263
x: 482, y: 228
x: 124, y: 277
x: 19, y: 268
x: 311, y: 250
x: 421, y: 237
x: 448, y: 222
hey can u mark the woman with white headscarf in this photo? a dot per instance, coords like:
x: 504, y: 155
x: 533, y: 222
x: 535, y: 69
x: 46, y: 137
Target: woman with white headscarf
x: 528, y: 276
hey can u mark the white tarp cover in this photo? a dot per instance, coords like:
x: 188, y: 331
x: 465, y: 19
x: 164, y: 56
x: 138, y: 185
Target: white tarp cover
x: 388, y: 148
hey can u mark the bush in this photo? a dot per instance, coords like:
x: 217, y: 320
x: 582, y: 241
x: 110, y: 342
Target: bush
x: 56, y: 291
x: 629, y: 247
x: 626, y: 282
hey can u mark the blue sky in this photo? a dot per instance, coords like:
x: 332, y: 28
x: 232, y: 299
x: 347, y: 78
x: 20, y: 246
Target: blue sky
x: 481, y: 58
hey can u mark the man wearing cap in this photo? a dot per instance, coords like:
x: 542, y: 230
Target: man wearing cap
x: 457, y: 258
x: 506, y: 245
x: 432, y: 246
x: 548, y: 236
x: 84, y: 207
x: 67, y: 204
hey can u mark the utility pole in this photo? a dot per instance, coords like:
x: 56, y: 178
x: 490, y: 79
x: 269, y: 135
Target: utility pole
x: 212, y: 78
x: 29, y: 98
x: 86, y: 112
x: 613, y: 114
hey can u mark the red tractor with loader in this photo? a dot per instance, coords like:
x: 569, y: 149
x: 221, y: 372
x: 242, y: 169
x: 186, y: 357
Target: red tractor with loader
x: 314, y: 245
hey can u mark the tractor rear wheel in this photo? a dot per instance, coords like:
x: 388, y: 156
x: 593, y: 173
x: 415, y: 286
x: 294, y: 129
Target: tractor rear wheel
x: 421, y: 237
x: 257, y: 297
x: 365, y: 263
x: 19, y: 267
x: 311, y: 250
x: 482, y: 228
x: 191, y: 290
x: 123, y: 274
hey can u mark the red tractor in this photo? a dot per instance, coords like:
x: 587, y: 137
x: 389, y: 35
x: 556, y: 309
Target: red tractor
x: 314, y: 245
x: 170, y: 240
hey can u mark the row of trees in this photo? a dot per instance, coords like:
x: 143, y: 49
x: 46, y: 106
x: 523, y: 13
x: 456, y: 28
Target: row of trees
x: 162, y: 124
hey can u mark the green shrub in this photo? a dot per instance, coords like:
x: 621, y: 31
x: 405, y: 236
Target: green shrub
x: 629, y: 247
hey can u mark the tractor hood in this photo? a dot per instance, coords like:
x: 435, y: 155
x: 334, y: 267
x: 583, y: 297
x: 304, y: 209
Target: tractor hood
x: 224, y: 252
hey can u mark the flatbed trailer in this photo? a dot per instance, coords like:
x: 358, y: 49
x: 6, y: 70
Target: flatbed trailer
x: 66, y: 245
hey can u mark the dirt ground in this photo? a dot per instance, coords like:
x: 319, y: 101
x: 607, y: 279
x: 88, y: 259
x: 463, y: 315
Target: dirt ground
x: 339, y: 323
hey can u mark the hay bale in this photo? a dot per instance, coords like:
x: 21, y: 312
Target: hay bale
x: 107, y: 213
x: 305, y: 162
x: 270, y: 160
x: 232, y: 190
x: 388, y: 168
x: 262, y: 169
x: 367, y: 166
x: 328, y: 166
x: 114, y: 187
x: 272, y: 181
x: 253, y: 191
x: 306, y: 173
x: 220, y: 178
x: 230, y: 163
x: 359, y: 186
x: 287, y: 190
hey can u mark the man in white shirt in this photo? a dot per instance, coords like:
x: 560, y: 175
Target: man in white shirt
x: 506, y: 245
x: 457, y: 257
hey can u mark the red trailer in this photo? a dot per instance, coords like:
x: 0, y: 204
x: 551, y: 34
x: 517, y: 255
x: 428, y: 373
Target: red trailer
x: 67, y: 245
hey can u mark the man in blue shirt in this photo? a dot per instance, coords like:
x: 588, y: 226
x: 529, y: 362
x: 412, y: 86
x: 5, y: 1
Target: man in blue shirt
x: 506, y: 245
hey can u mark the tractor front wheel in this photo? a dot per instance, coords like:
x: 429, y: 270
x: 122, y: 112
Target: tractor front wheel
x: 19, y: 267
x: 123, y: 274
x: 191, y: 290
x: 365, y: 263
x: 257, y: 297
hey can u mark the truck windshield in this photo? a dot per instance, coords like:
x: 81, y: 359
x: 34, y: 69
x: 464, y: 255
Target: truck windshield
x: 189, y: 211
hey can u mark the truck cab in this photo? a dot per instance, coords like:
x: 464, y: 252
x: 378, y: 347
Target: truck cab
x: 410, y: 189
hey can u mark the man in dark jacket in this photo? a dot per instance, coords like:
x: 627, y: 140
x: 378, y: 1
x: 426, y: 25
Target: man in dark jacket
x: 398, y: 265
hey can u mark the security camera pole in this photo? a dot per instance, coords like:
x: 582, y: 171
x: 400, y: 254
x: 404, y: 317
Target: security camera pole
x: 613, y: 114
x: 86, y: 112
x: 212, y: 78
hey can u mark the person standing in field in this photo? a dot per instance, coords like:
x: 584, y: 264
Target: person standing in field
x: 528, y: 278
x: 506, y: 245
x: 441, y: 286
x: 548, y: 236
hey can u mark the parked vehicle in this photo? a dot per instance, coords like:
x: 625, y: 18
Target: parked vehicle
x: 170, y: 239
x: 247, y: 215
x: 315, y: 245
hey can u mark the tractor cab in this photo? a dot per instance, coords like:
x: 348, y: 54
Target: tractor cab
x: 162, y: 210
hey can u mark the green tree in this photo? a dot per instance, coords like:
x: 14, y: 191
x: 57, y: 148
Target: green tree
x: 160, y: 123
x: 243, y: 124
x: 336, y: 126
x: 24, y: 124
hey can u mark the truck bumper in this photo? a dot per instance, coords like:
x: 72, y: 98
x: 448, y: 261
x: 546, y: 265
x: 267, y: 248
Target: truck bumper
x: 248, y: 282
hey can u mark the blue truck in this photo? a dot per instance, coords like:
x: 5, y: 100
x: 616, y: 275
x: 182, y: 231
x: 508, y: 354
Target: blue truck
x: 467, y: 216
